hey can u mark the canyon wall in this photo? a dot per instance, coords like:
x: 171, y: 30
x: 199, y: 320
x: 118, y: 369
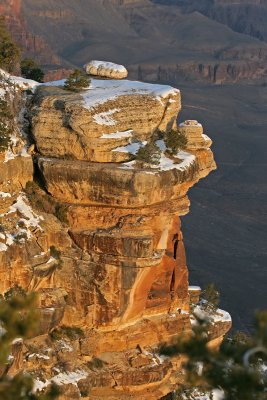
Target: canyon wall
x: 33, y: 46
x: 98, y: 236
x: 160, y: 40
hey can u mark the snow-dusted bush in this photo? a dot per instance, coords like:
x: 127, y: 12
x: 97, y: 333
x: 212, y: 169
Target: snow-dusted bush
x: 77, y: 81
x: 175, y: 141
x: 149, y: 154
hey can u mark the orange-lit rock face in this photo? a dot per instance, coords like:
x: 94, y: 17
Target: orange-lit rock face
x: 122, y: 277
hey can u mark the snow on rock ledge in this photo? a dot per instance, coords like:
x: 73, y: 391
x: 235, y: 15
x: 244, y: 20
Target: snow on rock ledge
x: 17, y: 81
x: 89, y: 124
x: 106, y: 69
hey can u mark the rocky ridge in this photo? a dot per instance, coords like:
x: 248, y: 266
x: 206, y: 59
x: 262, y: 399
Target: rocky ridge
x: 100, y: 238
x: 159, y: 40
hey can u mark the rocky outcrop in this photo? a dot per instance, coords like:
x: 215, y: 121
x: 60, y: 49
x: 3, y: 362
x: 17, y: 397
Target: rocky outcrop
x: 106, y: 69
x: 94, y: 124
x: 110, y: 271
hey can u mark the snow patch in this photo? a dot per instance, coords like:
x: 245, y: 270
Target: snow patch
x: 65, y: 346
x: 186, y: 159
x: 39, y: 356
x: 30, y: 218
x: 117, y: 135
x: 19, y: 82
x: 194, y: 288
x: 2, y: 93
x: 3, y: 195
x: 105, y: 118
x: 63, y: 378
x: 28, y: 222
x: 3, y: 247
x: 131, y: 148
x: 101, y: 91
x: 211, y: 315
x: 215, y: 394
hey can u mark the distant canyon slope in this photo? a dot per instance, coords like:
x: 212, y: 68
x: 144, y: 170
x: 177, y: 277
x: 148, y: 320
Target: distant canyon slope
x: 159, y: 40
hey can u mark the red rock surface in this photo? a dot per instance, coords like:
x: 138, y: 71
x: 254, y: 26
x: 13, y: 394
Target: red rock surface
x: 121, y: 277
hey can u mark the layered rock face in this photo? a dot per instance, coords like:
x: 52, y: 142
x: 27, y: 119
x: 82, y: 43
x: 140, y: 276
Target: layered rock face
x: 187, y: 41
x: 32, y: 45
x: 121, y: 276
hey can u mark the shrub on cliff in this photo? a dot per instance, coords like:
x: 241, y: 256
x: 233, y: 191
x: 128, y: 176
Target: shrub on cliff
x: 41, y: 201
x: 9, y: 51
x: 236, y: 369
x: 54, y: 252
x: 71, y: 332
x: 149, y: 154
x: 31, y: 70
x: 211, y: 297
x: 77, y: 81
x: 175, y: 141
x: 18, y: 320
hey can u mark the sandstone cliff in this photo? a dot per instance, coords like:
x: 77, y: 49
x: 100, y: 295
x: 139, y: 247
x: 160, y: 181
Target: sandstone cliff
x: 99, y: 238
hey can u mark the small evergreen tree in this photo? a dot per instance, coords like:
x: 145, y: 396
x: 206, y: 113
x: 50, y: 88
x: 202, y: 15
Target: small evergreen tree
x: 17, y: 320
x: 212, y: 297
x: 9, y: 51
x: 77, y: 81
x: 236, y: 369
x: 31, y: 70
x: 175, y: 141
x: 149, y: 154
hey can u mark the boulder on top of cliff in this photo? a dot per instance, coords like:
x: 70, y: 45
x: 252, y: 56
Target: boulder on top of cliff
x: 92, y: 124
x: 106, y: 69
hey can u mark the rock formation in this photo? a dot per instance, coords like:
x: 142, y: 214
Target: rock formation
x: 100, y: 238
x: 106, y: 69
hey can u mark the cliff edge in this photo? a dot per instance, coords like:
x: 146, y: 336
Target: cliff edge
x: 98, y: 235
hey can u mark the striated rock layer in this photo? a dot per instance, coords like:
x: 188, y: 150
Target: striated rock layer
x: 119, y: 271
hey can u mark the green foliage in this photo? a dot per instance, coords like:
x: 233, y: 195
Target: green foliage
x: 6, y: 118
x: 175, y: 141
x: 235, y: 368
x: 212, y: 297
x: 15, y: 321
x: 149, y: 154
x: 54, y: 252
x: 95, y: 363
x: 18, y: 320
x: 9, y: 51
x: 43, y: 202
x: 61, y: 212
x: 71, y: 332
x: 15, y: 291
x: 77, y: 81
x: 31, y: 70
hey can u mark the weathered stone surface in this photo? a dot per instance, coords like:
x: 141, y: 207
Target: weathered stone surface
x: 92, y: 124
x: 106, y: 69
x: 110, y: 184
x: 115, y: 268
